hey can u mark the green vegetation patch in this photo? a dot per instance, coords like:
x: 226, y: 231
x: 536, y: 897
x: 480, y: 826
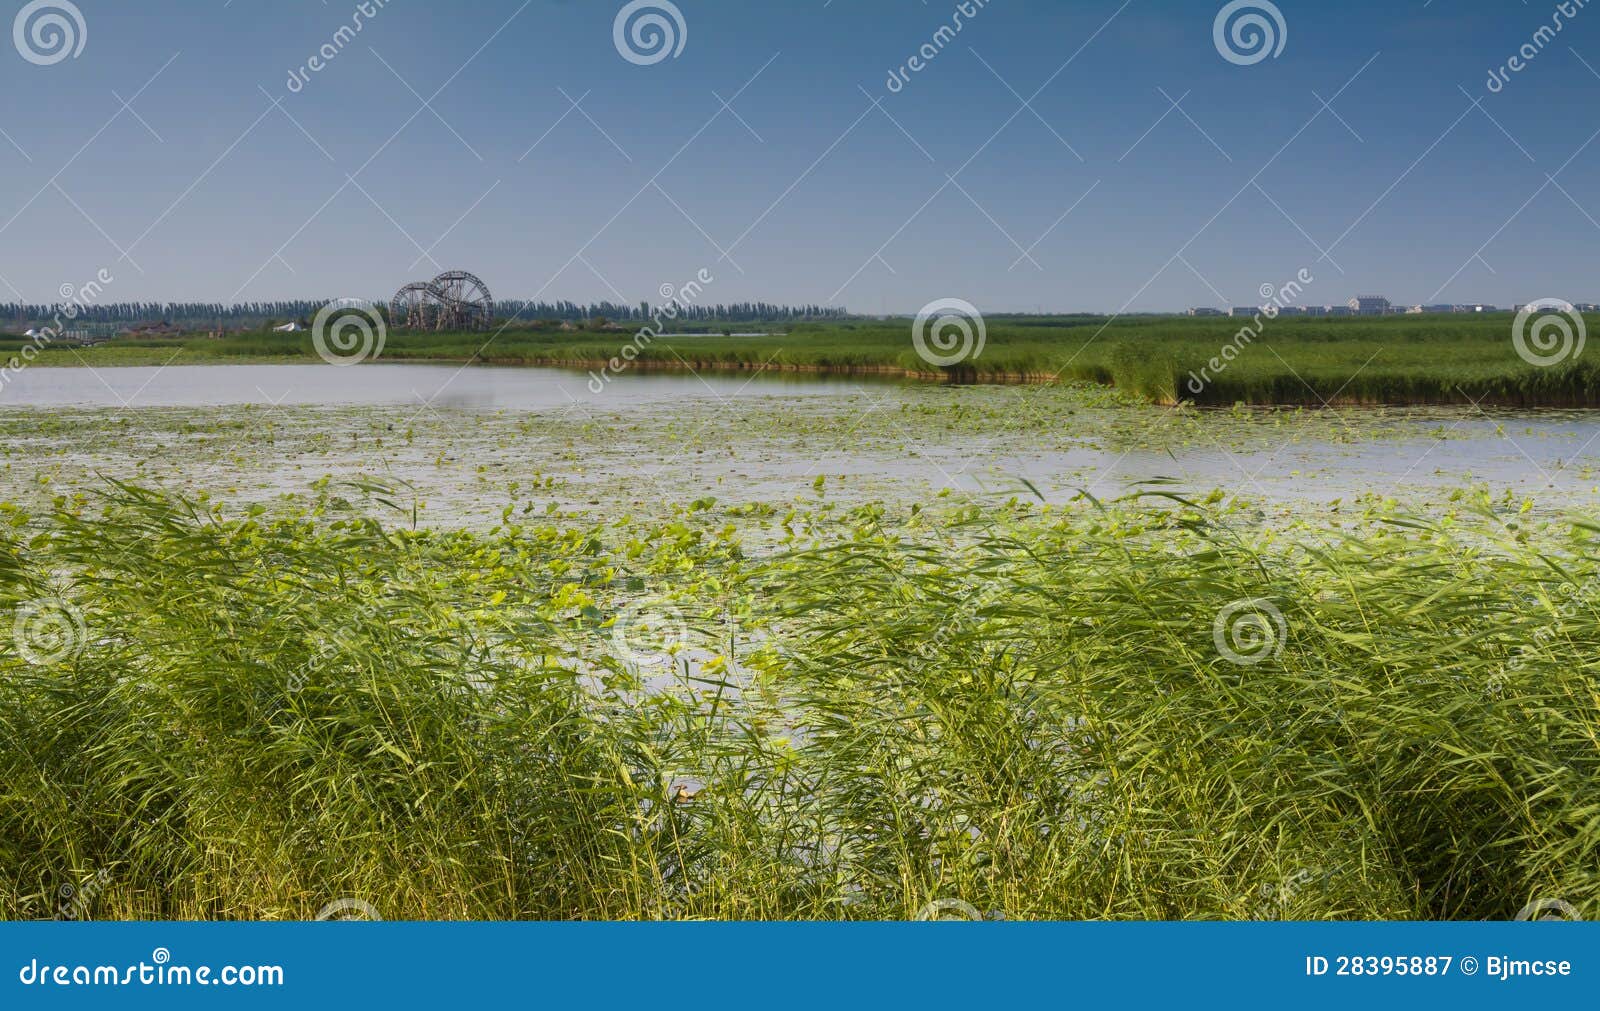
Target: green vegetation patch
x: 1130, y: 710
x: 1451, y: 359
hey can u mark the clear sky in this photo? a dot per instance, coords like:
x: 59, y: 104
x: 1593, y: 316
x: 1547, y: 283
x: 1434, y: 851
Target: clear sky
x: 1097, y: 195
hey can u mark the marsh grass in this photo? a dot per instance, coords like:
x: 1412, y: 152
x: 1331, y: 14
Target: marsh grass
x: 1022, y: 708
x: 1422, y: 359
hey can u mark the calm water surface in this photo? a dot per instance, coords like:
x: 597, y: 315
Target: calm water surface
x: 1554, y: 455
x: 471, y: 387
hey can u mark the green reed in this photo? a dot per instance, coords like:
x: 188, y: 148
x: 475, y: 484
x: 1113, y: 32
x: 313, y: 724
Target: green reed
x: 1422, y: 359
x: 1025, y: 709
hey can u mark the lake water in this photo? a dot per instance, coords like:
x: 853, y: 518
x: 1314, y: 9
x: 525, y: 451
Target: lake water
x: 470, y: 439
x: 472, y: 387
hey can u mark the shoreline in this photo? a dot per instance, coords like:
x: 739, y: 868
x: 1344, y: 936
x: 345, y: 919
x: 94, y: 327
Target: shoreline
x: 953, y: 378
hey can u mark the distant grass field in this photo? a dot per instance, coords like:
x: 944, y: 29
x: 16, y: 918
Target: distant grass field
x: 1389, y: 360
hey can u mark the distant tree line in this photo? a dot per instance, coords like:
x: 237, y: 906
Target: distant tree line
x: 732, y: 312
x: 242, y: 315
x: 246, y: 315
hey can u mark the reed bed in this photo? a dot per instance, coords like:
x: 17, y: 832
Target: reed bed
x: 1034, y: 712
x: 1450, y: 359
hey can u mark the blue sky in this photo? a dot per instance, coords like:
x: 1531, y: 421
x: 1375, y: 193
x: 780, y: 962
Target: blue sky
x: 806, y: 191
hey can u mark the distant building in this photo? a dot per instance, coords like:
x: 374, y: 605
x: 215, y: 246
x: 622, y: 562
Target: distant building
x: 1441, y: 308
x: 161, y: 329
x: 1244, y: 310
x: 1340, y: 310
x: 1369, y: 305
x: 1577, y: 306
x: 1315, y: 310
x: 1204, y: 311
x: 1292, y: 310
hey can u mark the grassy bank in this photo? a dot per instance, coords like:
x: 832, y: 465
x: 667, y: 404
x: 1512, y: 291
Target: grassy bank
x: 1042, y: 713
x: 1391, y: 360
